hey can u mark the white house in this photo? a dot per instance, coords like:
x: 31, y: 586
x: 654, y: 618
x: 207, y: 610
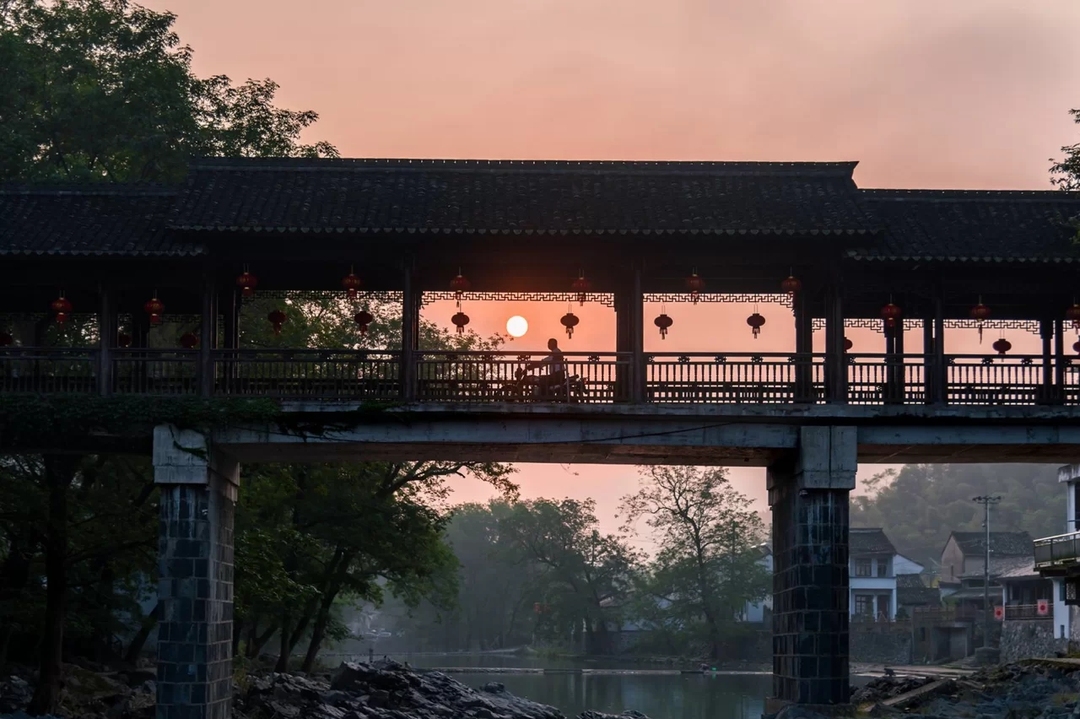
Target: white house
x: 874, y: 565
x: 759, y: 612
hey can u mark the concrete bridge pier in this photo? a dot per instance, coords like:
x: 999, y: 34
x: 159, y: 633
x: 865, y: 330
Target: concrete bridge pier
x: 198, y: 489
x: 808, y: 494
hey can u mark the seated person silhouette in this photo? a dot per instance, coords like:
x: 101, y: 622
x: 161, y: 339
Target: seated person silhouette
x: 556, y: 370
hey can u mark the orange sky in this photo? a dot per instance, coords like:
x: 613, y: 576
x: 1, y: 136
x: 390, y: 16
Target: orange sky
x: 924, y: 93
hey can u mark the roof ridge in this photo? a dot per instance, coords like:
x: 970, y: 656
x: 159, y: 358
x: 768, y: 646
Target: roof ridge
x: 931, y: 194
x: 90, y: 189
x: 255, y: 164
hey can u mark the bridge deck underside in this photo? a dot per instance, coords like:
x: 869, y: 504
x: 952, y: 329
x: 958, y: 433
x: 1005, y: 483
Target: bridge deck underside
x: 752, y: 436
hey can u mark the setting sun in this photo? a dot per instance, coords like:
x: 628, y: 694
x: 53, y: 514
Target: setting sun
x: 517, y: 326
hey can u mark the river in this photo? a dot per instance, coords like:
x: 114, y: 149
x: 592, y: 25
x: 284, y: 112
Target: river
x: 658, y: 695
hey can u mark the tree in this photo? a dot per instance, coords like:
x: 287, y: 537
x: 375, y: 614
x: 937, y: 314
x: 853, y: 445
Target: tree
x: 707, y: 568
x: 1065, y: 173
x: 587, y: 573
x: 921, y: 503
x: 350, y: 531
x: 103, y: 90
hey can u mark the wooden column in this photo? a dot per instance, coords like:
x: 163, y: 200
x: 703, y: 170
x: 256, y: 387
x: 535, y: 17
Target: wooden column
x: 1059, y: 359
x: 835, y: 356
x: 410, y: 331
x: 106, y: 340
x: 895, y: 362
x: 941, y: 370
x: 929, y: 380
x: 207, y: 332
x: 1046, y: 332
x: 638, y: 390
x: 804, y: 347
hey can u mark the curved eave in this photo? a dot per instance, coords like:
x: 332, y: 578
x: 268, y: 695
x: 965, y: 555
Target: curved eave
x: 140, y: 254
x: 470, y: 231
x: 957, y: 259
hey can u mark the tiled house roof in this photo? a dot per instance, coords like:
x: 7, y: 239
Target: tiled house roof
x: 866, y: 542
x: 89, y: 220
x: 969, y: 226
x: 1002, y: 544
x: 718, y: 198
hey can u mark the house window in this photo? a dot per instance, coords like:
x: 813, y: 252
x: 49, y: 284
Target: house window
x: 864, y: 605
x: 883, y: 567
x: 863, y: 568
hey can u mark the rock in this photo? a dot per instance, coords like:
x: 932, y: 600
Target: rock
x: 628, y: 714
x: 15, y: 694
x: 795, y: 711
x: 493, y: 688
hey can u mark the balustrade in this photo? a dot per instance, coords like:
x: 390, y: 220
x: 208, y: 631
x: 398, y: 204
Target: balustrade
x: 507, y: 376
x: 1058, y: 551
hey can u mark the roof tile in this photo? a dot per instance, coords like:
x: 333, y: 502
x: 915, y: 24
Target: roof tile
x: 508, y: 196
x: 89, y: 220
x: 972, y: 225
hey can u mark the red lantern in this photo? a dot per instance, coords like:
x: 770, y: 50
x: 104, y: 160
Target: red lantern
x: 1073, y: 315
x: 848, y: 344
x: 569, y: 321
x: 460, y: 320
x: 756, y: 322
x: 363, y: 318
x: 277, y: 319
x: 62, y: 308
x: 1076, y: 346
x: 582, y: 287
x: 189, y: 340
x: 459, y: 285
x: 980, y: 313
x: 1002, y: 345
x: 664, y: 323
x: 247, y: 283
x: 791, y: 285
x: 695, y: 284
x: 352, y: 284
x: 123, y: 339
x: 6, y: 340
x: 155, y: 308
x: 890, y: 313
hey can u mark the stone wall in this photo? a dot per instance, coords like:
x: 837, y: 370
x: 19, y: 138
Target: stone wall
x: 881, y: 643
x: 1023, y: 639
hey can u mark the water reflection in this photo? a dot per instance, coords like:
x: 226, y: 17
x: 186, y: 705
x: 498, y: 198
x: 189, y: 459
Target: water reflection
x: 660, y: 696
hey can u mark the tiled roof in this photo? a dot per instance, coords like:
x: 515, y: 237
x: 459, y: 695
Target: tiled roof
x: 864, y: 541
x: 909, y: 580
x: 957, y: 225
x: 1002, y: 544
x: 337, y: 195
x: 89, y: 220
x: 1014, y: 568
x: 918, y: 596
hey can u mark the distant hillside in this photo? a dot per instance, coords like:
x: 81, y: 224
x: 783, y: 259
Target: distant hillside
x: 919, y: 505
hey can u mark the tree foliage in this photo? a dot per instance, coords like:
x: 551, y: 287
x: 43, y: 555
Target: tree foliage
x: 103, y: 90
x: 1065, y: 173
x: 707, y: 568
x: 920, y: 504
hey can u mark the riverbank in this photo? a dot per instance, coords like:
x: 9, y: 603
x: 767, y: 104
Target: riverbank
x: 382, y: 690
x: 1034, y: 689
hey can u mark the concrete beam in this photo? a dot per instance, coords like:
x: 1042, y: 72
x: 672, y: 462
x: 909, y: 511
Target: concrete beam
x: 1069, y: 473
x: 184, y: 456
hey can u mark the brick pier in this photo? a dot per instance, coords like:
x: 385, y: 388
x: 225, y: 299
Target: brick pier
x: 808, y: 494
x: 195, y: 589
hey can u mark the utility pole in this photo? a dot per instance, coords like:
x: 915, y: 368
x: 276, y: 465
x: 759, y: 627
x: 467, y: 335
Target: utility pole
x: 986, y: 501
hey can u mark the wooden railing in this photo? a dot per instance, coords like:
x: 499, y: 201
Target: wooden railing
x: 734, y: 378
x: 1057, y: 551
x: 49, y: 370
x: 160, y: 372
x: 590, y: 378
x: 308, y: 374
x: 1028, y: 611
x: 517, y: 377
